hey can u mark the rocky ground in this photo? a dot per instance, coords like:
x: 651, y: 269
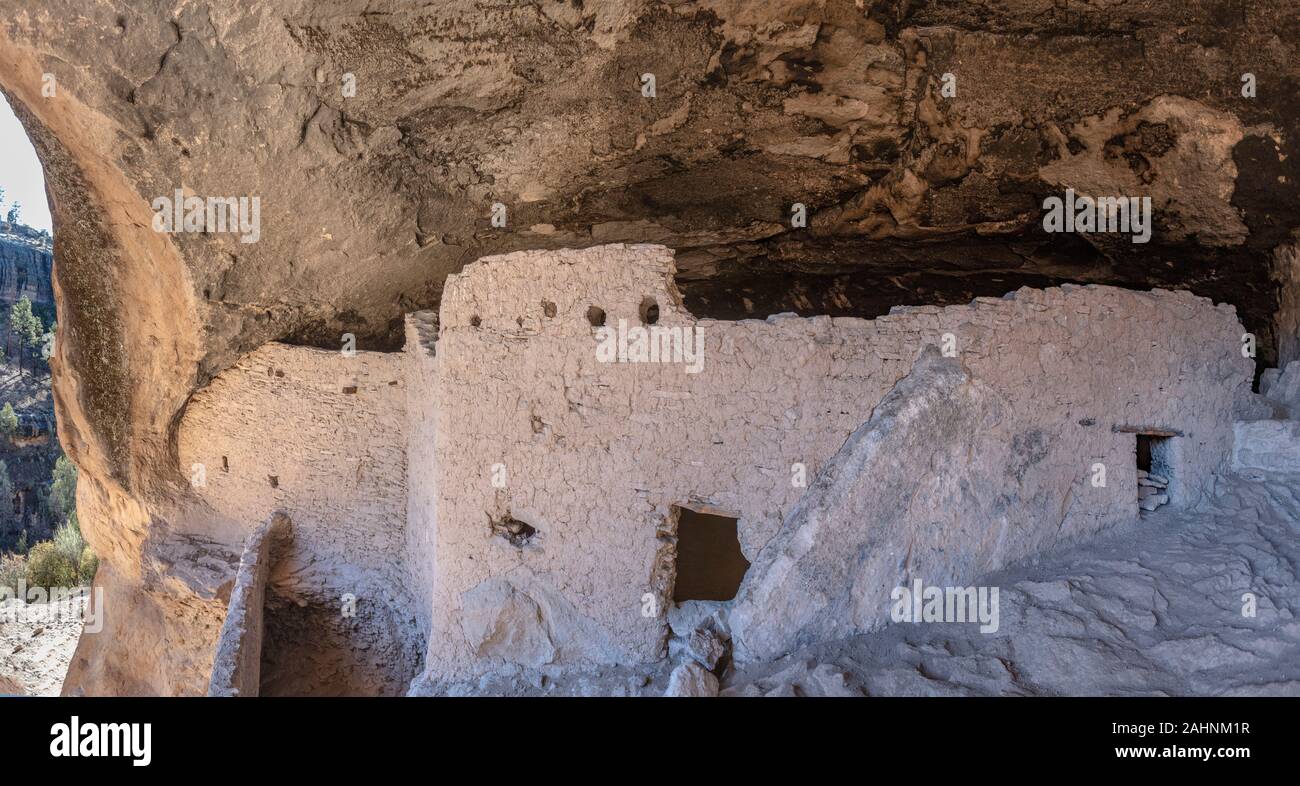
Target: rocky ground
x: 36, y: 645
x: 1152, y: 608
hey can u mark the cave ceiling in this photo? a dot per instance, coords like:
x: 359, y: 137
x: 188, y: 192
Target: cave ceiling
x: 371, y: 197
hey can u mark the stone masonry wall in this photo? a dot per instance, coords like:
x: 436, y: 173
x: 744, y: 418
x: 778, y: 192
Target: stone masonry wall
x: 321, y: 437
x: 409, y: 471
x: 237, y: 663
x: 594, y: 455
x: 1286, y: 272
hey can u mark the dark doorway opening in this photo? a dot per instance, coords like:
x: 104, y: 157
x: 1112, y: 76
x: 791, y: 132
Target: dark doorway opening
x: 1154, y: 470
x: 710, y: 564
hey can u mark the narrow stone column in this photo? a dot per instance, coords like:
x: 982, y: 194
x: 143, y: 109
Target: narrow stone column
x: 237, y: 667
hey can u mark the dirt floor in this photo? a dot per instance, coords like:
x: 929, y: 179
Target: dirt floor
x: 36, y: 645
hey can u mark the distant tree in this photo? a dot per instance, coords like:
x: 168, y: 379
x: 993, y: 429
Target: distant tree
x: 14, y: 209
x: 63, y: 489
x: 6, y: 493
x: 8, y: 420
x: 47, y: 345
x: 26, y: 327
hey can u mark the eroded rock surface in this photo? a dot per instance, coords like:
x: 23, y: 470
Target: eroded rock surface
x: 849, y: 542
x: 1179, y: 604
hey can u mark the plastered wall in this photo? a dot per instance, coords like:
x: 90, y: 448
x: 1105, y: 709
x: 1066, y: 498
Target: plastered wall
x: 595, y: 454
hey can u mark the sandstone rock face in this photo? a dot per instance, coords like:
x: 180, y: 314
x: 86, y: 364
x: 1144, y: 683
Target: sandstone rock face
x: 1268, y: 445
x: 25, y: 263
x: 371, y: 198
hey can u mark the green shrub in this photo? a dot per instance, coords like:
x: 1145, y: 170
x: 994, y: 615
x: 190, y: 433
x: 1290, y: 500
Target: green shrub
x: 63, y: 489
x: 68, y: 540
x: 48, y: 566
x: 87, y: 566
x: 65, y: 561
x: 13, y: 567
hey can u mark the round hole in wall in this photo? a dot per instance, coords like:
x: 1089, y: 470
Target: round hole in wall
x: 474, y: 321
x: 649, y: 311
x: 596, y: 316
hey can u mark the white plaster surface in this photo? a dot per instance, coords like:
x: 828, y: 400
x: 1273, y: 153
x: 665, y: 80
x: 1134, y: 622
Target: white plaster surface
x: 596, y: 454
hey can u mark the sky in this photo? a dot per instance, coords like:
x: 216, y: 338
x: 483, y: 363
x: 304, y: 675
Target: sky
x: 20, y: 172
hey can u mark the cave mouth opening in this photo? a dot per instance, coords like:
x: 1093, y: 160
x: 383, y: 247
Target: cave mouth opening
x: 42, y: 551
x: 710, y: 564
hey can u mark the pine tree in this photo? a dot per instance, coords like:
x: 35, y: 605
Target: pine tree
x: 26, y: 327
x: 8, y: 420
x: 63, y: 489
